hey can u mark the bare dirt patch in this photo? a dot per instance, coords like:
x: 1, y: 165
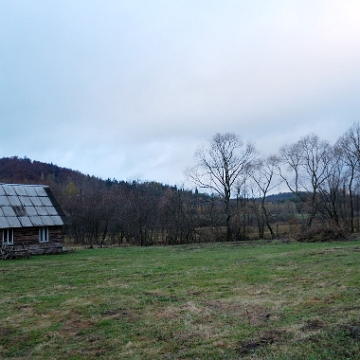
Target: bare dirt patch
x: 312, y: 325
x: 265, y: 338
x: 5, y: 331
x: 257, y: 315
x: 222, y: 305
x: 120, y: 313
x: 352, y: 329
x: 75, y: 325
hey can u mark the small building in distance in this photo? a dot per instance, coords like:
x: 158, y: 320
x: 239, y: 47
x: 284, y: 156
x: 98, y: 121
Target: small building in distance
x: 31, y: 219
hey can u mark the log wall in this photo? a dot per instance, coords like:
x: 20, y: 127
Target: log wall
x: 30, y: 236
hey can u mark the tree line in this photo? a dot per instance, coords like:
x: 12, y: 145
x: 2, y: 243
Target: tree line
x: 323, y: 178
x: 231, y: 200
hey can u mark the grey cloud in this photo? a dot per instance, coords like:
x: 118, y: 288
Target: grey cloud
x: 130, y: 88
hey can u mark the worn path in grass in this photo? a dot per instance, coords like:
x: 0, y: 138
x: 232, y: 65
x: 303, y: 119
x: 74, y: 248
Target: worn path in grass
x: 212, y: 301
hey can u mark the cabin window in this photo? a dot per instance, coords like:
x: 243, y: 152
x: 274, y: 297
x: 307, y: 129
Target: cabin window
x: 44, y: 235
x: 8, y: 237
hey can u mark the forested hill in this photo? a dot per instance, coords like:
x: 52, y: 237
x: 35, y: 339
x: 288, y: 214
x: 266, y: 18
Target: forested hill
x: 16, y: 170
x: 281, y: 197
x: 25, y: 171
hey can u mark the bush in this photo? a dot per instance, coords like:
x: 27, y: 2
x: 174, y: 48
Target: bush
x: 323, y: 234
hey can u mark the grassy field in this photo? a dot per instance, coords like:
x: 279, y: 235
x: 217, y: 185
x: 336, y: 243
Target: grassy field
x: 211, y: 301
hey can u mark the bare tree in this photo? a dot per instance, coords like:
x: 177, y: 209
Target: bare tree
x: 350, y: 145
x: 219, y: 166
x: 264, y: 175
x: 317, y: 156
x: 307, y: 160
x: 332, y: 190
x: 291, y: 157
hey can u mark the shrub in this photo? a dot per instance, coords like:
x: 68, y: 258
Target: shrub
x: 323, y: 234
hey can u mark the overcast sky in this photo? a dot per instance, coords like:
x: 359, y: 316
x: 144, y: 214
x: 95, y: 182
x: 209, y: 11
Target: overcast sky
x: 129, y: 89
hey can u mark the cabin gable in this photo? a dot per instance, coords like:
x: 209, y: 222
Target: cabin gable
x: 30, y: 216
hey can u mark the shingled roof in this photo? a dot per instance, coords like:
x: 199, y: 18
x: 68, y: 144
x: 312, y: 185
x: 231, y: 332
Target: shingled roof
x: 28, y: 206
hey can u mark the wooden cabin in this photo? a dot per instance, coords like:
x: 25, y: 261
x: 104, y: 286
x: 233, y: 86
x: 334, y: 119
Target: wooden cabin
x: 31, y: 220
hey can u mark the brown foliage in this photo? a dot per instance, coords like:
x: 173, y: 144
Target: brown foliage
x: 323, y: 234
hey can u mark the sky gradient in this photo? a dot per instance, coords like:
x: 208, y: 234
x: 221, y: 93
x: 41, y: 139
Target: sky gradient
x: 130, y: 89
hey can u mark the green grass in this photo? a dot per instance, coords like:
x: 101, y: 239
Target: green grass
x: 213, y: 301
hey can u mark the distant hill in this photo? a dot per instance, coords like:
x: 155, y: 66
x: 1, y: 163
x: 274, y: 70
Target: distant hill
x: 23, y: 170
x: 16, y: 170
x: 280, y: 197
